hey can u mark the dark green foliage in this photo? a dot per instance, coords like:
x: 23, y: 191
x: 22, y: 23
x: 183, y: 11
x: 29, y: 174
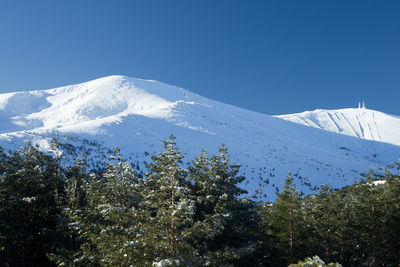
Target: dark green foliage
x: 325, y: 216
x: 168, y: 200
x: 285, y: 221
x: 356, y: 226
x: 186, y: 216
x: 226, y: 224
x: 393, y: 215
x: 106, y: 219
x: 374, y: 219
x: 31, y: 189
x: 173, y: 216
x: 74, y: 200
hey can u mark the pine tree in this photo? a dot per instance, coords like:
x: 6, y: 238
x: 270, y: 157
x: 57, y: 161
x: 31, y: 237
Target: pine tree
x: 74, y: 201
x: 226, y: 225
x: 326, y: 220
x: 286, y: 220
x: 193, y: 216
x: 392, y: 194
x: 167, y: 198
x: 30, y: 191
x: 375, y: 220
x: 367, y: 219
x: 108, y: 226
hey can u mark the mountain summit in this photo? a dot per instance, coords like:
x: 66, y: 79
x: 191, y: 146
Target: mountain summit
x: 358, y: 122
x: 136, y: 115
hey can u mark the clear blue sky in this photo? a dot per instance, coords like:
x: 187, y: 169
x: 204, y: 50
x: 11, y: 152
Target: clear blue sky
x: 274, y: 57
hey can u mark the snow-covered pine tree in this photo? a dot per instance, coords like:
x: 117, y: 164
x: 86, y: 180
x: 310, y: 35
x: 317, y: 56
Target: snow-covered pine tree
x: 314, y: 262
x: 109, y: 225
x: 168, y: 199
x: 30, y: 191
x: 74, y: 199
x: 225, y: 224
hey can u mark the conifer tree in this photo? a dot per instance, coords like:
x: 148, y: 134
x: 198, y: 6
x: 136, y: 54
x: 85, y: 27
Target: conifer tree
x: 30, y: 191
x: 393, y: 213
x: 226, y: 225
x: 286, y: 220
x: 375, y: 219
x: 326, y: 220
x: 368, y: 219
x: 269, y: 253
x: 193, y: 216
x: 74, y: 201
x: 168, y: 199
x: 108, y: 226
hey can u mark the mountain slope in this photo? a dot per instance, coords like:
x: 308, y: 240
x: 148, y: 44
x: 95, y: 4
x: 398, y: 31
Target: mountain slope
x: 136, y: 115
x: 362, y: 123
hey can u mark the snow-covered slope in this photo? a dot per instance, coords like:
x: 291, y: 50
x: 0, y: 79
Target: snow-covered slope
x: 358, y: 122
x: 136, y: 115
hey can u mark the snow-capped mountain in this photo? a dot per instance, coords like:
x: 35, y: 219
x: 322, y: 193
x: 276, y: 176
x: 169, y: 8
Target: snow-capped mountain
x: 136, y: 115
x: 358, y: 122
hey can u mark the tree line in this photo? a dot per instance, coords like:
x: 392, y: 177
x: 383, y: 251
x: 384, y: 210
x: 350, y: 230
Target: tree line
x: 195, y: 215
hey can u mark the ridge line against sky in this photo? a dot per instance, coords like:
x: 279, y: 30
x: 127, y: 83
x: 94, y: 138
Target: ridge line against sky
x: 273, y: 57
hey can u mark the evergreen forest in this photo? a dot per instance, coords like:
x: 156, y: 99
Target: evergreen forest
x: 53, y: 214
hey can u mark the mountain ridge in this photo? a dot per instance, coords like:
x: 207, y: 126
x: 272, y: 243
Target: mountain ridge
x: 137, y: 114
x: 358, y: 122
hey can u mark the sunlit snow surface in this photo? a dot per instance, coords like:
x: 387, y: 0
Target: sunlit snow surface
x: 136, y: 115
x: 358, y: 122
